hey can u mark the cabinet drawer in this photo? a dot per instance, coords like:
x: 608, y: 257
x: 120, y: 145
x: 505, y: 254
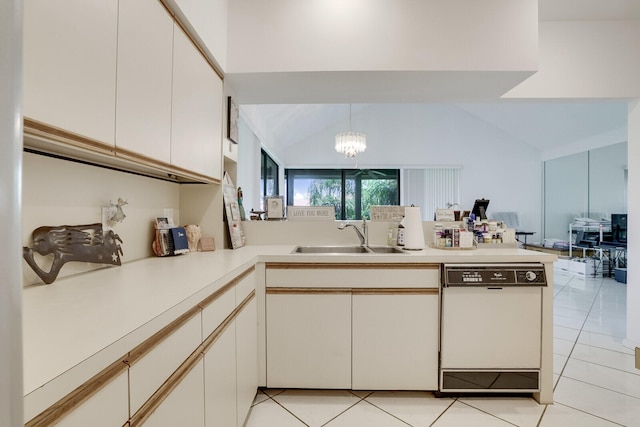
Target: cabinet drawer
x: 151, y: 370
x: 185, y: 405
x: 245, y: 287
x: 353, y: 275
x: 108, y: 407
x: 214, y: 313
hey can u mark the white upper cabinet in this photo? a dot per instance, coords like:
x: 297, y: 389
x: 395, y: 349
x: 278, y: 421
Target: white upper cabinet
x: 70, y: 65
x: 145, y: 55
x: 196, y: 131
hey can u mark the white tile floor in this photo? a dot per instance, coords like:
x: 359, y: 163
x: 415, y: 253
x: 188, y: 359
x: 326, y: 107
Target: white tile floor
x: 596, y: 383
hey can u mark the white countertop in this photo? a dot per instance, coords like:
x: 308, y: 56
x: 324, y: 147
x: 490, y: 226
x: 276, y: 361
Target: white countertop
x: 105, y: 313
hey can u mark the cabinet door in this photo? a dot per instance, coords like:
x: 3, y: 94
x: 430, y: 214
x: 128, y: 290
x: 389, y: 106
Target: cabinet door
x: 145, y: 55
x: 108, y: 407
x: 309, y: 340
x: 70, y: 65
x: 395, y: 342
x: 184, y: 406
x: 196, y: 132
x: 148, y: 373
x: 220, y: 380
x: 247, y: 356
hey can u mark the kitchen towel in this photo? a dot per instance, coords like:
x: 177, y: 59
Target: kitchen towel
x: 414, y: 233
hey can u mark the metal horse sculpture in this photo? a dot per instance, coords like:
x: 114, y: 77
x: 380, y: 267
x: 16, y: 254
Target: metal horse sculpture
x: 84, y: 243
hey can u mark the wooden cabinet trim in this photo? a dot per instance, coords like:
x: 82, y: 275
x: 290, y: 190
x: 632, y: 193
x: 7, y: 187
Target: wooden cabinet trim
x: 213, y: 337
x: 308, y: 291
x: 349, y: 266
x: 179, y: 374
x: 42, y: 130
x: 46, y: 132
x: 217, y: 294
x: 395, y: 291
x: 150, y: 343
x: 166, y: 388
x: 81, y: 394
x: 354, y: 291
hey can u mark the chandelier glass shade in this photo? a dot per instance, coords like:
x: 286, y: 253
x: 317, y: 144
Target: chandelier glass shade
x: 351, y: 143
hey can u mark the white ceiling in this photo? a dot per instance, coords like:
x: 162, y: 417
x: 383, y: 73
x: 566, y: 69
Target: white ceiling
x: 543, y: 125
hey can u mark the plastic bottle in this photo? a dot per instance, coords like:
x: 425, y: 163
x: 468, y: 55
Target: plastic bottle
x: 471, y: 223
x: 400, y: 241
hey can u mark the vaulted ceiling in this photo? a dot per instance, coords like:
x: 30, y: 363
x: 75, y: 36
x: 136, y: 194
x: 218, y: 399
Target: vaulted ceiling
x: 541, y: 124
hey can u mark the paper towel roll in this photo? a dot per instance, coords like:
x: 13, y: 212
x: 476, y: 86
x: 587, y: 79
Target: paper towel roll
x: 414, y: 233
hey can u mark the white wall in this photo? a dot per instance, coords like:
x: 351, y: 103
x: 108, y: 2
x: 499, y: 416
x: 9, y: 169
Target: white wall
x: 249, y: 167
x: 356, y: 35
x: 494, y: 165
x: 59, y: 192
x: 11, y: 386
x: 582, y: 59
x: 633, y: 232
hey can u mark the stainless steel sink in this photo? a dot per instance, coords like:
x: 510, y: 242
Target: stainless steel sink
x: 330, y: 250
x: 346, y: 250
x: 386, y: 250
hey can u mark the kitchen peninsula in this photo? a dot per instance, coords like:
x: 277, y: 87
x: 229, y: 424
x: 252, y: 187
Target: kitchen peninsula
x: 153, y: 328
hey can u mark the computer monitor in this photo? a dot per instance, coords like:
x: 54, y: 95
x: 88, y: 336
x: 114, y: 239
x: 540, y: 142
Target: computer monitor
x: 480, y: 208
x: 619, y: 228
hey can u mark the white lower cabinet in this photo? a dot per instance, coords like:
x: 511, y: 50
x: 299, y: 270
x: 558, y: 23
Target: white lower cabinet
x: 184, y: 405
x: 309, y: 340
x: 366, y: 327
x: 107, y: 408
x: 147, y: 374
x: 220, y: 381
x: 247, y: 359
x: 395, y: 342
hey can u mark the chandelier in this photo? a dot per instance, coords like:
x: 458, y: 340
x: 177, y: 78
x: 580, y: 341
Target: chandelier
x: 351, y: 143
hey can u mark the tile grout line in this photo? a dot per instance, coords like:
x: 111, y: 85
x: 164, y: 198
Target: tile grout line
x: 609, y: 367
x: 605, y: 388
x: 488, y: 413
x: 443, y: 412
x: 342, y: 413
x: 580, y: 332
x: 561, y: 375
x: 593, y: 415
x: 285, y: 408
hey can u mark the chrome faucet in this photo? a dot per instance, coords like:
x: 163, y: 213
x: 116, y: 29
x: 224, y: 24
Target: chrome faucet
x: 362, y: 235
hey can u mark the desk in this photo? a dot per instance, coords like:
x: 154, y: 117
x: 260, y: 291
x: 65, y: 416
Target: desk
x: 615, y: 255
x: 525, y: 234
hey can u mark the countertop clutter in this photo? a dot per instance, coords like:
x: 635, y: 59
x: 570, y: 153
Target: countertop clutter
x: 87, y: 321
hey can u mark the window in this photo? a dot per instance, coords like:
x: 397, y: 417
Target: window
x: 268, y: 177
x: 350, y: 191
x: 431, y: 188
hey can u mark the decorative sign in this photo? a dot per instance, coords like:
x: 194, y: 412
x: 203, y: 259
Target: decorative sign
x: 274, y: 206
x: 232, y: 212
x: 233, y: 115
x: 445, y: 215
x: 311, y: 213
x: 83, y: 243
x: 386, y: 213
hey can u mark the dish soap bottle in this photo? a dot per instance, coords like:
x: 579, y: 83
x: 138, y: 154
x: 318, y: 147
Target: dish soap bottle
x: 400, y: 241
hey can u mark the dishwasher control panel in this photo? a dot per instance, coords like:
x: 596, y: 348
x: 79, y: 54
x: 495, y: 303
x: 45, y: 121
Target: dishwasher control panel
x: 482, y: 275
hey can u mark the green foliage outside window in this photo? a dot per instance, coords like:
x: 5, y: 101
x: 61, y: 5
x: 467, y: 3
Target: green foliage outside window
x: 361, y: 190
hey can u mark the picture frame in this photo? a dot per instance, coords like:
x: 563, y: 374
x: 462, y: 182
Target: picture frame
x: 233, y: 115
x: 274, y: 207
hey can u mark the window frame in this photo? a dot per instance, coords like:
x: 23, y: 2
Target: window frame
x: 343, y: 175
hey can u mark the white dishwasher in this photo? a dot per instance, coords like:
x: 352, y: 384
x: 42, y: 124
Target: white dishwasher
x: 491, y: 327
